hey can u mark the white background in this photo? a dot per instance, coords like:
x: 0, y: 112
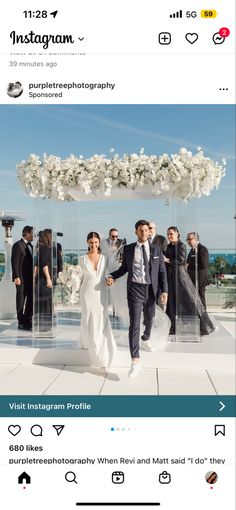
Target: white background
x: 134, y: 437
x: 121, y: 46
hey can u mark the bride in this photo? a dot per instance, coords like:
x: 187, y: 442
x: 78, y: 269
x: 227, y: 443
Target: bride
x: 95, y: 330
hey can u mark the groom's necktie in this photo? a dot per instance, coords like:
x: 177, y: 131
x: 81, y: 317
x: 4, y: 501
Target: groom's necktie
x: 146, y: 265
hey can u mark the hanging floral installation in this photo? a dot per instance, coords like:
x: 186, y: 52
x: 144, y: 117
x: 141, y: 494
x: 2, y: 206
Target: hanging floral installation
x: 181, y: 176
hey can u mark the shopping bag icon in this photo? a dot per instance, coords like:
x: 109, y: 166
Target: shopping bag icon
x: 164, y: 477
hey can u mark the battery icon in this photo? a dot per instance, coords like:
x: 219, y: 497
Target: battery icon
x: 208, y: 14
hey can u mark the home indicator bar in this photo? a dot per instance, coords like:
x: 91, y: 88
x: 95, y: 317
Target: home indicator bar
x: 118, y: 504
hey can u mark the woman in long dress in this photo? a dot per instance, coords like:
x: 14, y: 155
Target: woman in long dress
x: 95, y: 330
x: 44, y: 280
x: 183, y: 298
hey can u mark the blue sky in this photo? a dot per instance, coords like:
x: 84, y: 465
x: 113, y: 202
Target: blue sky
x: 83, y: 129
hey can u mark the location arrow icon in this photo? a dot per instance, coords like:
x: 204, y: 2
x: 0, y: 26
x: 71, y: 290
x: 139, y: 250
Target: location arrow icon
x: 54, y: 13
x: 58, y: 428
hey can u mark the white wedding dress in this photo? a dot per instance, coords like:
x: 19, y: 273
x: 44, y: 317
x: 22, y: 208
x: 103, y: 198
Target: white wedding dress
x: 95, y: 330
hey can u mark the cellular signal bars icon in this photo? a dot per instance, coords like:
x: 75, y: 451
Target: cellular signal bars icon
x: 178, y: 14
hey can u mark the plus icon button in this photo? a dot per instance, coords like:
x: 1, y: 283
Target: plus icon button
x: 164, y: 38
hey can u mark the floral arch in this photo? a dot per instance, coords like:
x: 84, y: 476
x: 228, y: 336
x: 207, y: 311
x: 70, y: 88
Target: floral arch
x: 181, y: 176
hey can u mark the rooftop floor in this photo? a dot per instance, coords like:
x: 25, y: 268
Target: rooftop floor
x: 57, y: 366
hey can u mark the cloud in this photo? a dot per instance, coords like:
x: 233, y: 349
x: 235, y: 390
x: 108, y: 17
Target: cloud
x: 7, y: 173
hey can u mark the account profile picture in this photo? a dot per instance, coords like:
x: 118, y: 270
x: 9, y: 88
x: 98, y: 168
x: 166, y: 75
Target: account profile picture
x: 14, y: 90
x: 211, y: 477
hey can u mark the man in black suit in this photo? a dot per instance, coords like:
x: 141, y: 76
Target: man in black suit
x: 160, y: 241
x: 198, y: 264
x: 113, y: 248
x: 22, y: 275
x: 157, y: 239
x: 146, y: 273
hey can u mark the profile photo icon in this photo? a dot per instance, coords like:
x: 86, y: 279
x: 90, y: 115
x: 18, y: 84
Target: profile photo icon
x: 15, y: 89
x: 211, y: 477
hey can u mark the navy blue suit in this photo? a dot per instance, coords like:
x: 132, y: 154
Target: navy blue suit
x: 142, y: 296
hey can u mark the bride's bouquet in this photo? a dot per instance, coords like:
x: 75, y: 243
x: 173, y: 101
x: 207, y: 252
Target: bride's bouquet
x: 70, y: 279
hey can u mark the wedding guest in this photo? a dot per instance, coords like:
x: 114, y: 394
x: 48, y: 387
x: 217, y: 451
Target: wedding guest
x: 59, y: 255
x: 59, y: 259
x: 113, y: 248
x: 183, y: 299
x: 113, y: 244
x: 156, y: 238
x: 44, y: 280
x: 161, y: 241
x: 197, y: 263
x: 22, y: 275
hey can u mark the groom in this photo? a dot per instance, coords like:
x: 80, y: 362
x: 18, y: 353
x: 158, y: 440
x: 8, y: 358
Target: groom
x: 146, y: 274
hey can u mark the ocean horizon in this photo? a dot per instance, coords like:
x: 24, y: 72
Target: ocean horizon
x: 229, y: 256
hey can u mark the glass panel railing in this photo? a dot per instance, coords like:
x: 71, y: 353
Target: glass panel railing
x: 221, y: 274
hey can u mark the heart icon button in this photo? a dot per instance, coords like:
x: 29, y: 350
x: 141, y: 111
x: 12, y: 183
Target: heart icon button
x: 191, y: 38
x: 14, y: 429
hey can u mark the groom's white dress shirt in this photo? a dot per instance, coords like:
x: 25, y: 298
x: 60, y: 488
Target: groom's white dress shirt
x: 139, y: 275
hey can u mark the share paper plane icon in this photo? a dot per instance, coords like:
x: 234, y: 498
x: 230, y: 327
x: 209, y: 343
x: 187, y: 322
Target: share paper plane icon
x: 54, y: 13
x: 58, y: 428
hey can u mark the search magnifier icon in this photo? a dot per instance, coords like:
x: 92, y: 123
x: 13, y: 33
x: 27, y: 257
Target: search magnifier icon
x: 70, y: 476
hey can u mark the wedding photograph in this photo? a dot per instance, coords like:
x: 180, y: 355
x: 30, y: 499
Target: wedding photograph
x: 117, y: 250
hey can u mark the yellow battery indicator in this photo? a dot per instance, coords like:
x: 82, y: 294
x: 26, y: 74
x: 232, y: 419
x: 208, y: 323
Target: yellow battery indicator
x: 208, y: 14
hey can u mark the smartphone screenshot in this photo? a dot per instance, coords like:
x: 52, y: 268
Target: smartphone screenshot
x: 117, y: 255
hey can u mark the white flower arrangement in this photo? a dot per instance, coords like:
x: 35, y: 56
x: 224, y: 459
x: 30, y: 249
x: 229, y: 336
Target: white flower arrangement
x: 181, y: 176
x: 70, y: 279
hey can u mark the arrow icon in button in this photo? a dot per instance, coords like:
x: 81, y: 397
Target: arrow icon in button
x: 222, y: 406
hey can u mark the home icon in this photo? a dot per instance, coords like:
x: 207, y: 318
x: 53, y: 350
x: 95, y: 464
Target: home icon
x: 24, y: 478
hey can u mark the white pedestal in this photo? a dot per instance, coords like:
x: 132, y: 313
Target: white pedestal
x: 7, y: 287
x: 7, y: 299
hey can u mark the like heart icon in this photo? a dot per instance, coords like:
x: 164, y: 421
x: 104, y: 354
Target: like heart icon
x: 14, y: 429
x: 191, y: 38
